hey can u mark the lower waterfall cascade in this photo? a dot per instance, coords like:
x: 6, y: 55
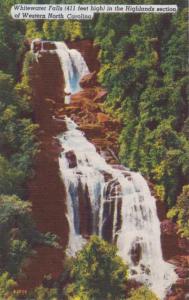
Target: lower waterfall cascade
x: 118, y: 207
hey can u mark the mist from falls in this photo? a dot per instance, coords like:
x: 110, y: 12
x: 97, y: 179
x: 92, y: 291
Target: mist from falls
x: 118, y: 206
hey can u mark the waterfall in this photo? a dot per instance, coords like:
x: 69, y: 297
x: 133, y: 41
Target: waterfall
x: 118, y: 207
x: 73, y: 67
x: 72, y: 63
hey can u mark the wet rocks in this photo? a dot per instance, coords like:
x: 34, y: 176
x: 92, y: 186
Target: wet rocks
x: 107, y: 176
x: 72, y: 160
x: 92, y: 130
x: 179, y: 291
x: 58, y: 125
x: 136, y: 253
x: 85, y: 211
x: 182, y: 272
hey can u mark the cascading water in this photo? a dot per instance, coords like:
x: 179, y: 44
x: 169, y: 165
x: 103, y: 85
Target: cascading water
x: 72, y: 63
x: 118, y: 207
x: 73, y: 66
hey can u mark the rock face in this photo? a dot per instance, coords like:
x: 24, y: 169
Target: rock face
x: 70, y: 155
x: 39, y: 45
x: 46, y: 190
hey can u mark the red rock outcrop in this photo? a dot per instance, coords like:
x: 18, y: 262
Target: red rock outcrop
x: 89, y: 80
x: 46, y: 190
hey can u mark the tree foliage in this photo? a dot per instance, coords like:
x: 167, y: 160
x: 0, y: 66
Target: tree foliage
x: 18, y: 147
x: 7, y: 286
x: 17, y: 138
x: 98, y: 272
x: 144, y: 67
x: 142, y: 293
x: 181, y: 212
x: 145, y: 70
x: 42, y: 293
x: 18, y: 234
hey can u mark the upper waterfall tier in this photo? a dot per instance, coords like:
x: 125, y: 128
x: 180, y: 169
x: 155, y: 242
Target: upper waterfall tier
x: 115, y: 204
x: 73, y: 66
x: 72, y: 63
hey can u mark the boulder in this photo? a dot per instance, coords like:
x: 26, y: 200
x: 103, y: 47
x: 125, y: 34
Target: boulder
x: 92, y: 130
x: 102, y: 118
x: 89, y: 80
x: 36, y: 45
x: 100, y: 96
x: 87, y: 94
x: 72, y: 109
x: 136, y: 254
x: 182, y: 272
x: 107, y: 176
x: 72, y: 160
x: 120, y: 167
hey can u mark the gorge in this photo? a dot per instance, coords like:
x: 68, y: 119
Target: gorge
x: 101, y: 196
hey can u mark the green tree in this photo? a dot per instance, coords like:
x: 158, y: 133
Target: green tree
x: 144, y: 67
x: 18, y: 234
x: 142, y: 293
x: 42, y: 293
x: 11, y: 179
x: 7, y: 286
x: 18, y: 145
x: 98, y: 272
x: 72, y: 30
x: 181, y: 212
x: 32, y: 30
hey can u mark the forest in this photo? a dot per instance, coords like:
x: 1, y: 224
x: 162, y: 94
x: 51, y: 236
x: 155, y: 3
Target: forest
x: 144, y: 67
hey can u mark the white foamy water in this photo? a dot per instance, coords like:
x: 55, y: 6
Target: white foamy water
x: 72, y: 64
x: 121, y: 208
x: 73, y: 67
